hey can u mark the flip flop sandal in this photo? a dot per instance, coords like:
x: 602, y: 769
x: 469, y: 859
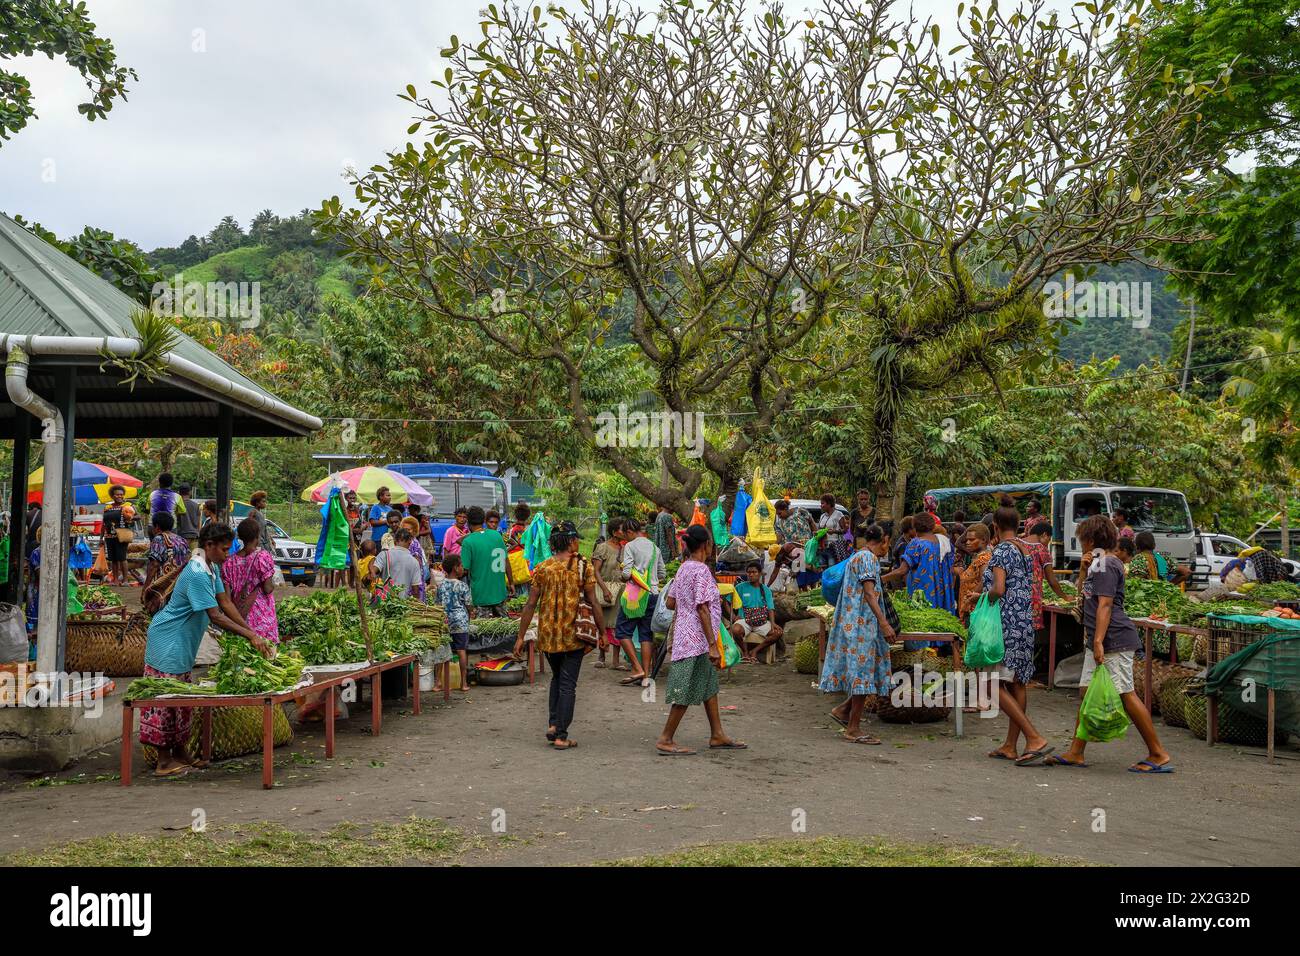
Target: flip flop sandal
x: 1029, y: 757
x: 1056, y: 760
x: 179, y: 771
x: 1155, y: 767
x: 734, y: 745
x: 550, y: 735
x: 865, y: 739
x: 568, y: 745
x: 684, y: 752
x: 632, y: 681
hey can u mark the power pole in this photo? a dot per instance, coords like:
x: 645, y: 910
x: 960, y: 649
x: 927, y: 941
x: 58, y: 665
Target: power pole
x: 1191, y: 336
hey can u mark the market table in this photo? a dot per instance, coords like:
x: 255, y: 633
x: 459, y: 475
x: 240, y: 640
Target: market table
x: 1052, y: 610
x: 267, y: 702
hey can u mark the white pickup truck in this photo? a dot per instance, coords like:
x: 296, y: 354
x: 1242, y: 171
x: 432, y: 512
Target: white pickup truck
x: 1214, y: 550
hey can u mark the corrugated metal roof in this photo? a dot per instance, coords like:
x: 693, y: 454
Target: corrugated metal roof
x: 43, y: 291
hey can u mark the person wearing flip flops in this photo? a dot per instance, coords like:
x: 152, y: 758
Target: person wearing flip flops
x: 857, y: 651
x: 693, y: 676
x: 1114, y: 640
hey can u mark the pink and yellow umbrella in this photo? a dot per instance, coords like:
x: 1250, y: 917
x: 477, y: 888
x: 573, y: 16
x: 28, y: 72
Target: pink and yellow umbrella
x: 366, y: 481
x: 90, y: 483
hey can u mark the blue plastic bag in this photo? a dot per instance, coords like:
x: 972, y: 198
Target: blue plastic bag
x: 833, y: 582
x: 81, y: 557
x: 743, y: 501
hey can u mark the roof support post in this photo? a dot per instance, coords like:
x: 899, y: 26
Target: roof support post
x: 65, y: 397
x: 12, y: 592
x: 225, y: 455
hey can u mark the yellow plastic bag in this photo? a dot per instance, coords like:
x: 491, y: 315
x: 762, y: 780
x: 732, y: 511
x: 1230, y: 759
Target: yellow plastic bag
x: 519, y: 567
x: 760, y: 517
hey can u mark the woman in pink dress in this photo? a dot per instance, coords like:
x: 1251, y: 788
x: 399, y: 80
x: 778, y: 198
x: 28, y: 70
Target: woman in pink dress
x: 249, y: 577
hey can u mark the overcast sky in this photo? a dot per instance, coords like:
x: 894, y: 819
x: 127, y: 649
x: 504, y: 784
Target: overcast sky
x: 241, y: 105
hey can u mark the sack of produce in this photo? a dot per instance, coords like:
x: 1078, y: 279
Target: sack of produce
x: 1102, y: 716
x: 984, y: 646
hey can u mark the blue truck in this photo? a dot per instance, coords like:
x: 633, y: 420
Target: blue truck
x: 452, y: 487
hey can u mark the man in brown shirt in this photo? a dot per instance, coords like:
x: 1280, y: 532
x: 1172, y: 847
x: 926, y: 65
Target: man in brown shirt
x: 557, y: 586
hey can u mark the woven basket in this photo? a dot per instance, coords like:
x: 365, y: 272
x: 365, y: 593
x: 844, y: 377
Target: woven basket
x: 1172, y: 701
x: 1201, y: 649
x: 114, y: 648
x: 1235, y: 726
x: 901, y: 660
x: 236, y: 732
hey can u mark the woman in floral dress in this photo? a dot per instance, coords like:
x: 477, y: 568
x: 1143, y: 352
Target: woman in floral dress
x: 168, y: 554
x: 1009, y: 580
x: 249, y: 576
x: 1036, y: 540
x: 857, y: 651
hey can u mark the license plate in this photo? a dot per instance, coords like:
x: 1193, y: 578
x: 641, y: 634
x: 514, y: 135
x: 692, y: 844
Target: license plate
x: 295, y: 572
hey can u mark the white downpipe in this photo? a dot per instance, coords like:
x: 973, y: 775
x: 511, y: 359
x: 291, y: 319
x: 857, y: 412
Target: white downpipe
x: 54, y: 522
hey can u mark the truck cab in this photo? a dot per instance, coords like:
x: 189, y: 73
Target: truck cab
x: 1214, y: 550
x: 1161, y: 511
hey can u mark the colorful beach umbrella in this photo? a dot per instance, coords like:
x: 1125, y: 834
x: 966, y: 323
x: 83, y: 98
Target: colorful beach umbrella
x: 90, y: 483
x: 367, y: 480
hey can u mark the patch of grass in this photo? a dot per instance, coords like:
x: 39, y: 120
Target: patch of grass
x: 415, y: 840
x: 844, y: 851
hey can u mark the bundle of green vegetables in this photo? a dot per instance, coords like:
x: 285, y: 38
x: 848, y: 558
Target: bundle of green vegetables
x: 96, y: 597
x: 1260, y: 593
x: 917, y: 616
x: 325, y: 627
x: 810, y: 598
x: 146, y: 688
x: 243, y: 670
x: 495, y: 626
x: 670, y: 569
x: 1071, y: 593
x: 1156, y: 599
x: 517, y: 602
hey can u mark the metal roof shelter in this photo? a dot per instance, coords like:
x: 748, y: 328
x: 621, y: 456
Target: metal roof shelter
x: 58, y: 322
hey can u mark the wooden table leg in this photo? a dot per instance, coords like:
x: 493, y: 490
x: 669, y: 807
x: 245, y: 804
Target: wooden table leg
x: 329, y: 723
x: 127, y: 743
x: 415, y: 685
x: 1146, y: 684
x: 532, y: 660
x: 1272, y: 716
x: 268, y: 743
x: 376, y: 702
x: 1051, y: 650
x: 1173, y: 646
x: 205, y: 737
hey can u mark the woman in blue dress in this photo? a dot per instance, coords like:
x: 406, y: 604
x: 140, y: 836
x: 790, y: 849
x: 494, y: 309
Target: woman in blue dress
x: 857, y: 651
x: 927, y: 564
x: 1009, y: 580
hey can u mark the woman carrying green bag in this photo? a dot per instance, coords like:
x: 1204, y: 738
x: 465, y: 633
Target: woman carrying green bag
x: 1113, y: 640
x: 1009, y: 586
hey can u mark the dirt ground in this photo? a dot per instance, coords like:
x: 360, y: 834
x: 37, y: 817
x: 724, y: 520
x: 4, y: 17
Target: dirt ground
x: 483, y: 755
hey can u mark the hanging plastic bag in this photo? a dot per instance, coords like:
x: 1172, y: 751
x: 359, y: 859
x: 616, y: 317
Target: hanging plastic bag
x: 661, y: 621
x: 81, y: 557
x: 718, y: 519
x: 738, y: 554
x: 728, y: 653
x: 100, y: 567
x: 1102, y: 716
x: 699, y: 517
x: 537, y: 540
x: 833, y: 582
x: 743, y: 500
x: 332, y: 546
x: 760, y: 517
x: 519, y: 570
x: 74, y: 605
x: 810, y: 549
x: 635, y: 599
x: 13, y: 634
x: 984, y: 647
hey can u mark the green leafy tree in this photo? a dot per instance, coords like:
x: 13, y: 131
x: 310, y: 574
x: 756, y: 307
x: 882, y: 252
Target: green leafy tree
x: 120, y: 261
x: 56, y: 28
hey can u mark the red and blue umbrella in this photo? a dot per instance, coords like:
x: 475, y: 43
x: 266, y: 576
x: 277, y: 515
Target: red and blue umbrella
x: 90, y: 483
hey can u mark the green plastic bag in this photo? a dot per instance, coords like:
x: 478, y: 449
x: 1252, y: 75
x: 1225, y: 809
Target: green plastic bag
x: 1102, y: 716
x: 730, y: 652
x: 335, y: 554
x: 810, y: 549
x: 984, y: 647
x: 73, y: 600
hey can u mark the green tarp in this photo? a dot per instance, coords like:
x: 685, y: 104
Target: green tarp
x: 1244, y: 679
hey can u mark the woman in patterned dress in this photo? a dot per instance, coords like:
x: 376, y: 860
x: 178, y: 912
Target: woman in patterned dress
x: 970, y: 581
x: 926, y: 564
x: 1036, y: 540
x: 857, y: 651
x: 1009, y: 580
x: 249, y: 578
x: 693, y: 675
x: 168, y: 553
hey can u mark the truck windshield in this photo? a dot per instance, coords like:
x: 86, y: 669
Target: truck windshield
x: 1157, y: 511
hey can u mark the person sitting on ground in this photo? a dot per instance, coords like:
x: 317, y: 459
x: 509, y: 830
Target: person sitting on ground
x: 756, y: 629
x: 1111, y: 641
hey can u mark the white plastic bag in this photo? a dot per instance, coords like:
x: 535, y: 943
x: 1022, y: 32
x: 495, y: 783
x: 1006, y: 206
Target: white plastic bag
x: 13, y: 634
